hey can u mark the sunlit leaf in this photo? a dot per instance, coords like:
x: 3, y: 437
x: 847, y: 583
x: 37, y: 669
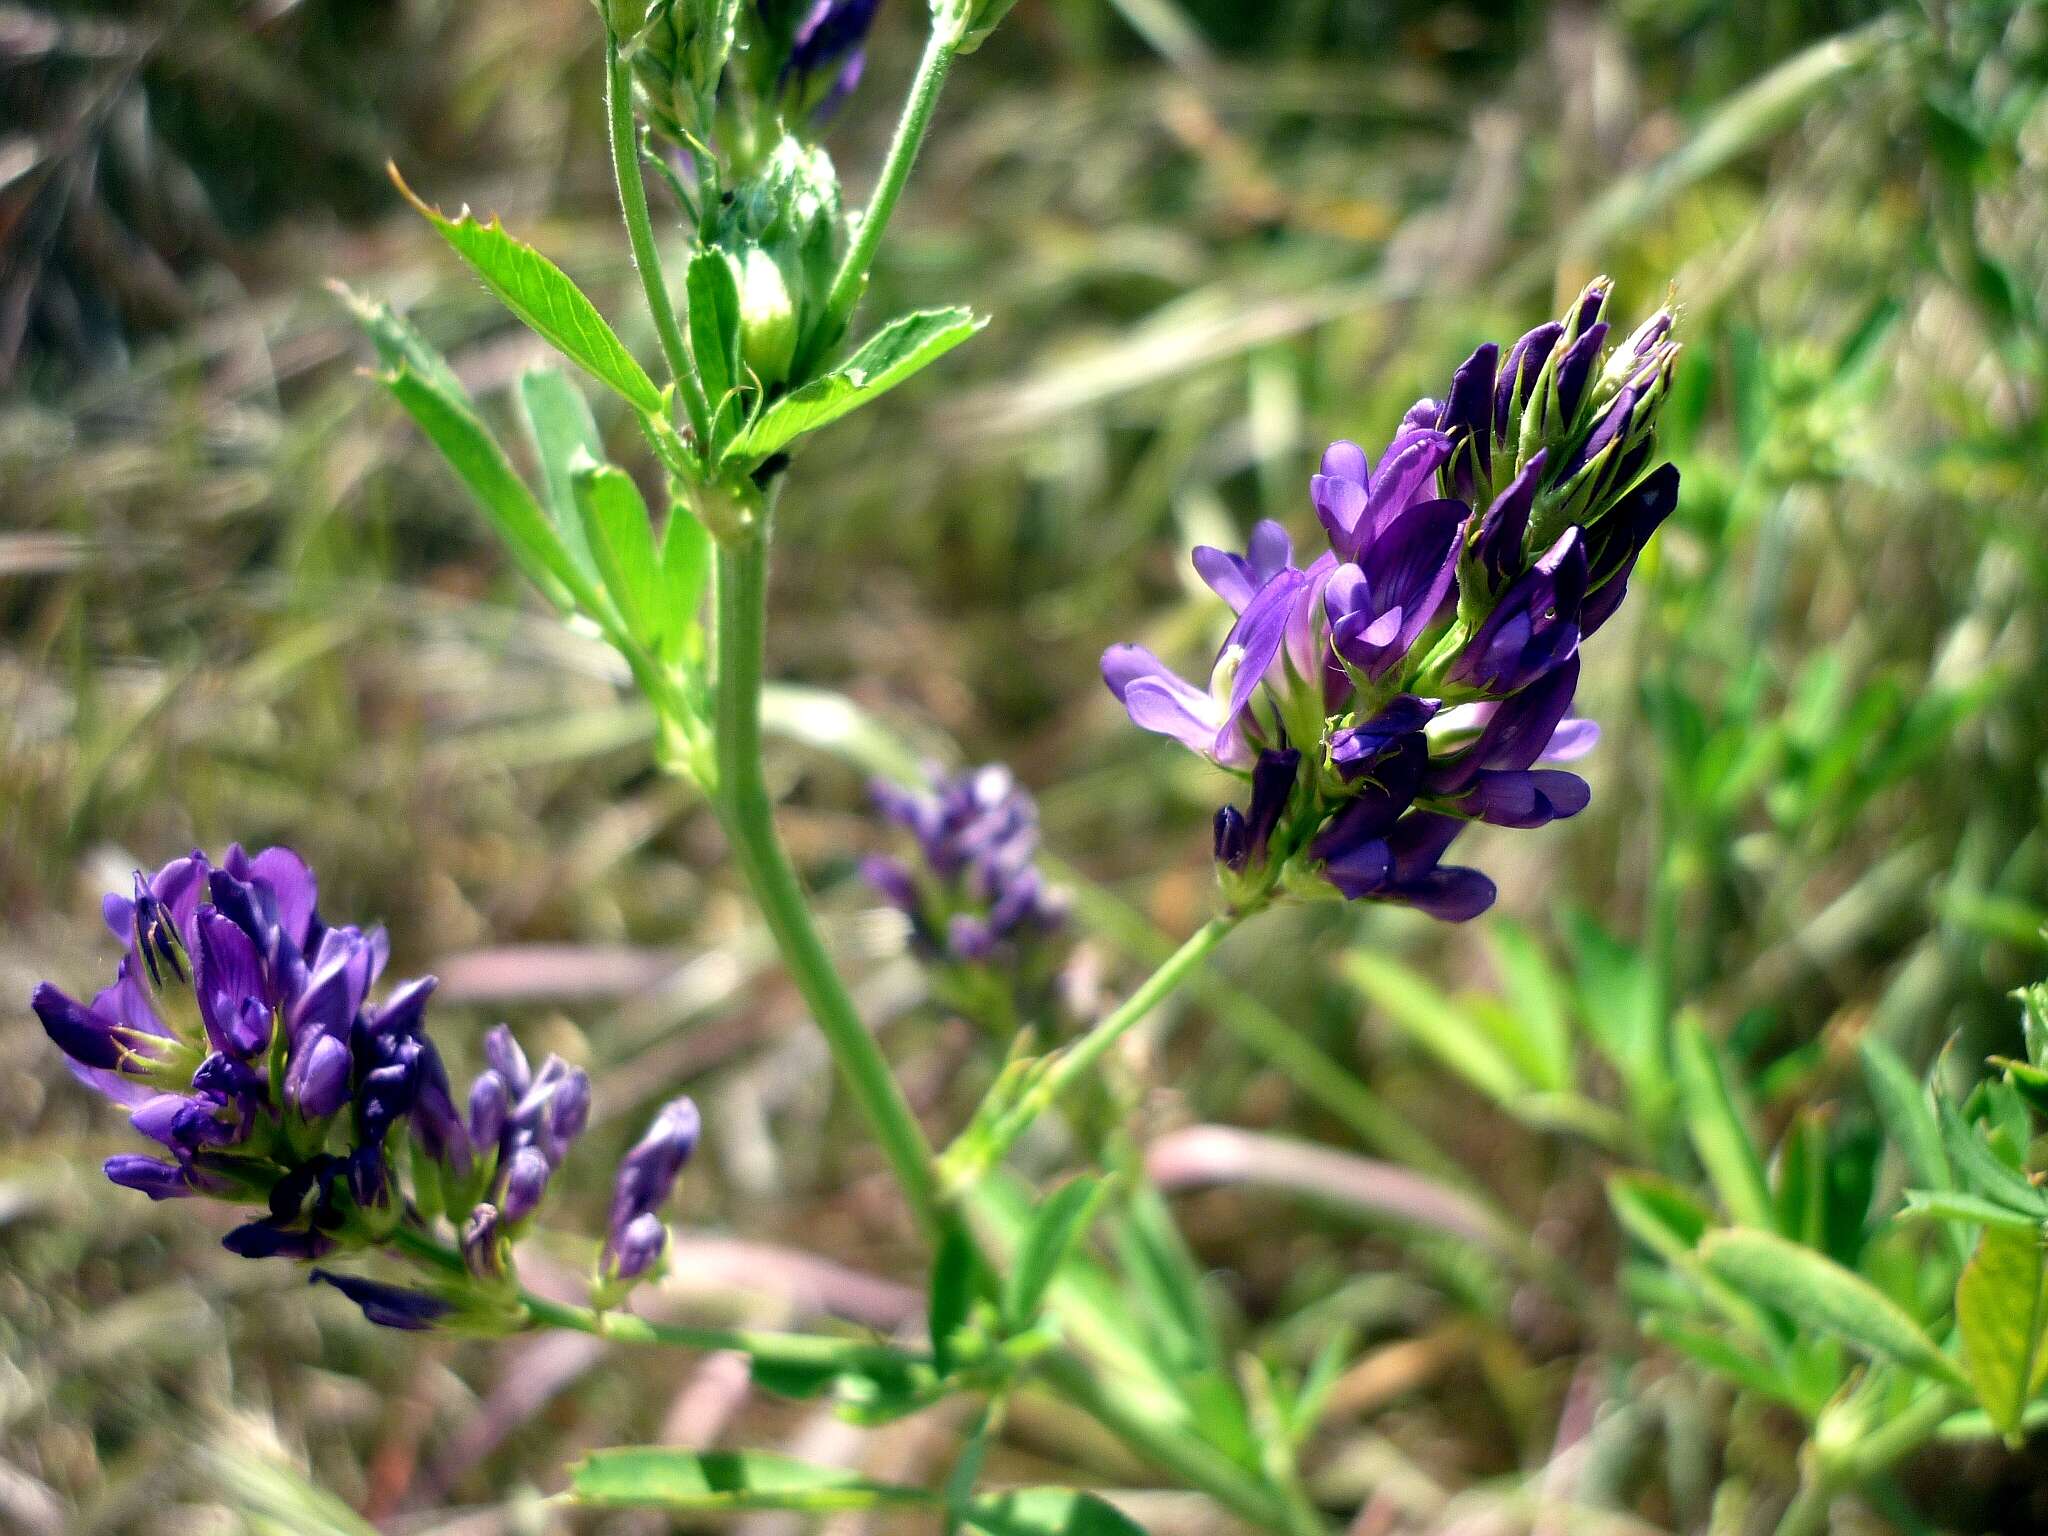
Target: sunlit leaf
x: 2002, y: 1316
x: 541, y: 294
x: 1715, y: 1125
x: 901, y: 348
x: 1061, y: 1221
x: 709, y: 1481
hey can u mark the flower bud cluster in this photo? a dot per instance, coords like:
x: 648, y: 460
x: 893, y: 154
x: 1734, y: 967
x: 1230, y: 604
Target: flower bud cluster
x: 783, y: 233
x: 1418, y: 674
x: 240, y: 1035
x: 977, y: 904
x: 788, y: 61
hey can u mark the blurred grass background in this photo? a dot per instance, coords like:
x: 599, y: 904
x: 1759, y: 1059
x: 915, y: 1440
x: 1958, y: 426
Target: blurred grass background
x: 239, y: 599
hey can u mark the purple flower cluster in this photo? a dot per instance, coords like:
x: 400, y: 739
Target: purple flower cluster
x: 1417, y: 675
x: 974, y: 895
x: 240, y: 1036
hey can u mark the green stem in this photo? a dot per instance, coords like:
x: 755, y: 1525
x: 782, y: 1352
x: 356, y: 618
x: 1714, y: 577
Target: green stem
x: 1082, y: 1057
x: 979, y: 1151
x: 640, y: 233
x: 1176, y: 1449
x: 797, y: 1351
x: 1823, y: 1479
x: 749, y: 819
x: 848, y: 281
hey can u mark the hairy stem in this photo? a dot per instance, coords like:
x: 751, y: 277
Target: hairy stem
x: 640, y: 233
x: 910, y: 131
x: 749, y: 819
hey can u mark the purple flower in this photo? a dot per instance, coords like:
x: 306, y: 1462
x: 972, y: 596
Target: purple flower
x: 973, y: 894
x: 525, y: 1183
x: 647, y: 1177
x: 388, y: 1306
x: 1379, y: 605
x: 826, y: 55
x: 157, y: 1179
x: 638, y: 1248
x: 1242, y: 837
x: 1533, y: 627
x: 1355, y: 504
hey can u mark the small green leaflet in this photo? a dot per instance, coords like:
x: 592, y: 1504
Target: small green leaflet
x: 685, y: 571
x: 2002, y: 1315
x: 466, y: 443
x: 1816, y: 1292
x: 714, y: 308
x: 621, y: 539
x: 693, y: 1482
x: 1048, y: 1512
x: 1715, y: 1125
x: 648, y: 1475
x: 541, y: 294
x: 1061, y: 1220
x: 956, y: 1276
x: 559, y: 425
x: 902, y: 347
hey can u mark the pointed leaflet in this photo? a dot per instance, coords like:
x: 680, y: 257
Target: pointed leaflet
x: 466, y: 443
x: 541, y: 294
x: 621, y: 539
x: 1048, y: 1512
x: 890, y: 356
x: 1817, y: 1292
x: 397, y: 342
x: 1437, y: 1023
x: 1062, y: 1219
x: 1715, y: 1125
x: 1541, y: 1039
x: 715, y: 338
x: 955, y: 1279
x: 559, y: 425
x: 1902, y: 1105
x: 685, y: 569
x: 702, y: 1482
x: 2002, y: 1315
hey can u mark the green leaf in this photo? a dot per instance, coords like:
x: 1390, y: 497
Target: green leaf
x: 714, y: 299
x: 1061, y: 1220
x: 466, y: 443
x: 399, y: 344
x: 1908, y: 1115
x: 1982, y: 1171
x: 707, y: 1481
x: 1953, y: 1205
x: 1165, y: 1283
x: 1718, y: 1134
x: 541, y: 294
x: 1535, y: 996
x: 2002, y: 1316
x: 1658, y: 1214
x: 621, y: 538
x: 1435, y: 1021
x: 901, y: 348
x: 954, y: 1282
x: 1800, y: 1172
x: 1621, y: 1004
x: 560, y: 426
x: 685, y: 571
x: 1817, y: 1292
x: 1048, y: 1512
x: 1723, y: 1358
